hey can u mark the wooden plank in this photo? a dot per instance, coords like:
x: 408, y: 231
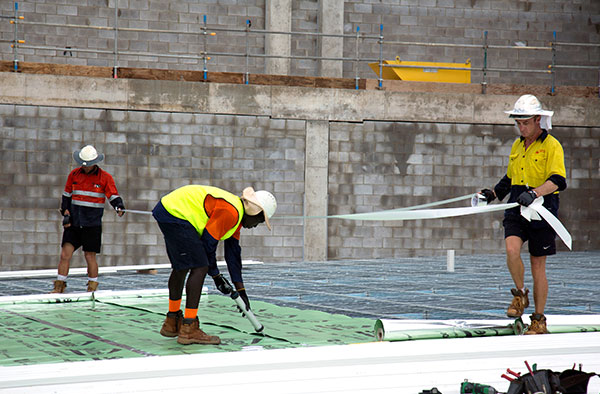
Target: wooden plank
x: 335, y: 83
x: 285, y: 80
x: 179, y: 75
x: 281, y: 80
x: 58, y: 69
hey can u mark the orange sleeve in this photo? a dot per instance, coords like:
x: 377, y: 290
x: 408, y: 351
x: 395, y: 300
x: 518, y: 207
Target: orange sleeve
x: 223, y: 218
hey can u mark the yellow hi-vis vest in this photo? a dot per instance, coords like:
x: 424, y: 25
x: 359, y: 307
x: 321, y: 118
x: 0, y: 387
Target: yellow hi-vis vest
x: 187, y: 203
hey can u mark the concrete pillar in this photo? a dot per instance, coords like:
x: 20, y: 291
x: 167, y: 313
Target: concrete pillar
x: 331, y: 17
x: 278, y: 18
x: 315, y: 190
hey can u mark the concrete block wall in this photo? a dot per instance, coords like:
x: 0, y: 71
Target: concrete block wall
x: 464, y: 21
x: 321, y: 151
x: 173, y: 15
x: 372, y: 165
x: 450, y: 21
x: 305, y: 19
x: 148, y: 154
x: 385, y: 165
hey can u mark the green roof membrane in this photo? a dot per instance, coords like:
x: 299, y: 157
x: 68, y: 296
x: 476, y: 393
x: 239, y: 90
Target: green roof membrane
x: 125, y: 326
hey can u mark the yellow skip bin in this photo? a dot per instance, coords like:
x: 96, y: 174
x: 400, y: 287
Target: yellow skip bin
x: 424, y: 71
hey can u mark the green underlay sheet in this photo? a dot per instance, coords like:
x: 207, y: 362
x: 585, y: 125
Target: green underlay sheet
x: 128, y: 326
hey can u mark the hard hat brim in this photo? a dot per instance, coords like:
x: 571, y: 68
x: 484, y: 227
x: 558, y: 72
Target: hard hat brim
x: 255, y: 207
x: 79, y: 161
x: 521, y: 115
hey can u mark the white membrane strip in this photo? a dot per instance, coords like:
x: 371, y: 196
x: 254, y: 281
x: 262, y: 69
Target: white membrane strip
x: 413, y: 213
x: 103, y: 270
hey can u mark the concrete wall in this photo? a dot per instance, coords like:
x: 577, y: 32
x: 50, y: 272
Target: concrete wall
x: 443, y: 21
x: 321, y: 151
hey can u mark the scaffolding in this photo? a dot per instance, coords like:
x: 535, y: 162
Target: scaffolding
x: 360, y: 40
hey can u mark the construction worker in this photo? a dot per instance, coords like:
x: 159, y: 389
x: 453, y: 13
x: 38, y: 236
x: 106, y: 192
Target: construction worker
x: 193, y: 219
x: 82, y: 208
x: 536, y: 168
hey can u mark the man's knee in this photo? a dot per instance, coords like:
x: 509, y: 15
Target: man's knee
x: 538, y: 262
x: 66, y: 252
x: 89, y: 256
x: 513, y: 246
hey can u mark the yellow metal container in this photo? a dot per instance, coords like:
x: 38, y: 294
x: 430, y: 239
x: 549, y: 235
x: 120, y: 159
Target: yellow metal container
x: 424, y: 71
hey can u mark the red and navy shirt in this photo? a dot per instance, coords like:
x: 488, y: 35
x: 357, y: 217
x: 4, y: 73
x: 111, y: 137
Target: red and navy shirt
x: 85, y: 194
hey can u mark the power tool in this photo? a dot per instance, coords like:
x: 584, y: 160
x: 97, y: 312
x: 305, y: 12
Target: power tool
x: 467, y: 387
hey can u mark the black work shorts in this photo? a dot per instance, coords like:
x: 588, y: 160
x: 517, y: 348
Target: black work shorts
x: 184, y: 246
x: 539, y: 234
x: 88, y: 237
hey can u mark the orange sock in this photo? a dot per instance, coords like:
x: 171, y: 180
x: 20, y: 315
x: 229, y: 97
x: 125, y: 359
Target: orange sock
x: 174, y: 305
x: 190, y: 313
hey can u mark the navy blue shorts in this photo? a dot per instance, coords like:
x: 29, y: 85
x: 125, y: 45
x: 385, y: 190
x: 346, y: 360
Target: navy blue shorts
x: 184, y: 246
x: 539, y: 234
x: 88, y: 237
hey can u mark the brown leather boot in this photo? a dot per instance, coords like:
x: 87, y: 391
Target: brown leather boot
x: 538, y: 325
x: 519, y: 303
x: 172, y: 324
x: 191, y: 333
x: 59, y: 286
x: 92, y: 285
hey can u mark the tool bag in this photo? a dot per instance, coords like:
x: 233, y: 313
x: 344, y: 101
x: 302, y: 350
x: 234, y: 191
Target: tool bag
x: 541, y: 381
x: 574, y: 381
x: 545, y: 381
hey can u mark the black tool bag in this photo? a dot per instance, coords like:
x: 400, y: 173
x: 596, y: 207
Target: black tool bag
x: 545, y: 381
x: 574, y: 381
x: 540, y: 381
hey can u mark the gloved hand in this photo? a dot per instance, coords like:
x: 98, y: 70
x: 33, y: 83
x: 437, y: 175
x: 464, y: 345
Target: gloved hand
x: 526, y: 198
x: 222, y: 284
x: 489, y: 195
x: 244, y: 297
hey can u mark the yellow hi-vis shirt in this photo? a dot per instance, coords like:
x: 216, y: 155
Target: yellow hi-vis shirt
x: 534, y: 165
x: 187, y: 203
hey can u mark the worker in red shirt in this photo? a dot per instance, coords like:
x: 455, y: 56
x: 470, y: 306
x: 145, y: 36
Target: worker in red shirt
x: 193, y: 219
x: 82, y: 208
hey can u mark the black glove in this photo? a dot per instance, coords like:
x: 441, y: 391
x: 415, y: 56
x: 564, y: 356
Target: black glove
x: 66, y: 220
x: 222, y: 284
x: 489, y: 195
x: 244, y: 297
x: 120, y: 210
x: 526, y: 198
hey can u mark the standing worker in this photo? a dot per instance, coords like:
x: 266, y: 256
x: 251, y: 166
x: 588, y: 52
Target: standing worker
x: 82, y: 208
x: 193, y: 219
x: 536, y: 168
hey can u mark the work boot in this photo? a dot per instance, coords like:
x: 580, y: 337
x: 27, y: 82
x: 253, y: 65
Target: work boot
x: 92, y: 285
x: 538, y: 325
x: 190, y: 332
x: 172, y: 324
x: 59, y: 286
x: 519, y: 303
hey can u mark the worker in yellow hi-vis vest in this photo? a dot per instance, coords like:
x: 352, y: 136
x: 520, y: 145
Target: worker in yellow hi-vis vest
x: 193, y: 219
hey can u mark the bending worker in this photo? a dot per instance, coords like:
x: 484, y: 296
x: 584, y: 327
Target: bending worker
x: 536, y: 168
x: 193, y: 219
x: 82, y: 208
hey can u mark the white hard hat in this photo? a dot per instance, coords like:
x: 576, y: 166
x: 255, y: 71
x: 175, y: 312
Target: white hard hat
x: 264, y: 200
x: 87, y: 156
x: 528, y: 106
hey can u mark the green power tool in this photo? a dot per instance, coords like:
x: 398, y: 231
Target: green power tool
x: 467, y: 387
